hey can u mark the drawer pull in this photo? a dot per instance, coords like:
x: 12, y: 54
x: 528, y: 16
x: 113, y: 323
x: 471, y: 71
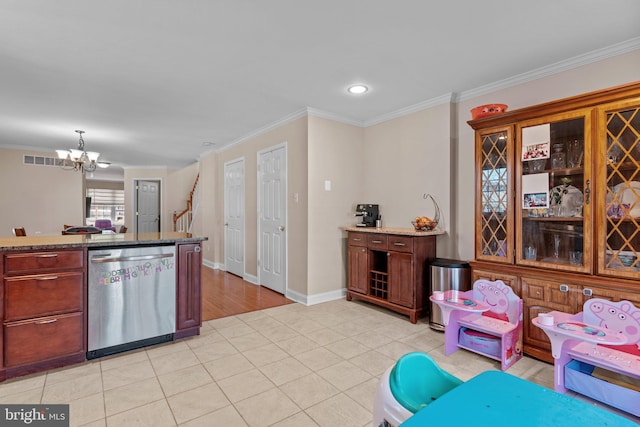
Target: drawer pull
x: 356, y: 239
x: 44, y: 322
x: 587, y: 292
x: 44, y: 279
x: 399, y: 244
x: 376, y: 241
x: 47, y: 256
x: 564, y: 288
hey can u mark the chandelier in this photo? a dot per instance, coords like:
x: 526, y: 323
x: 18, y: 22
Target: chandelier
x: 78, y: 159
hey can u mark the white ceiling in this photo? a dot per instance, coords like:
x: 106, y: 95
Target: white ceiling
x: 151, y: 80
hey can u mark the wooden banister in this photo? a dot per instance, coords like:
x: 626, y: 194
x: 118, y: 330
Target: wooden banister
x: 182, y: 220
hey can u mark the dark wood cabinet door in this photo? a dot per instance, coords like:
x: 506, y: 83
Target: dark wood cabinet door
x: 189, y: 311
x: 358, y: 267
x: 543, y: 296
x: 401, y: 279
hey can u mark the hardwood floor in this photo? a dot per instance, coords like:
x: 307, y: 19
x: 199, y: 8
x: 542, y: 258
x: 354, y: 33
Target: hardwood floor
x: 224, y: 294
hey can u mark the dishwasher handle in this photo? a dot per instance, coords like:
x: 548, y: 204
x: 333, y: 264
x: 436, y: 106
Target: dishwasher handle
x: 130, y: 258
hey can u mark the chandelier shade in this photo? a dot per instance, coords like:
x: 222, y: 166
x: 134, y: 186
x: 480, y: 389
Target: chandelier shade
x: 80, y: 160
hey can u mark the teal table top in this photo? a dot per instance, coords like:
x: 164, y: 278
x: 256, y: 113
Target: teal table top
x: 498, y: 399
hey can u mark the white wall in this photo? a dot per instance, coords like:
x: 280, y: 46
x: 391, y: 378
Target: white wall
x: 406, y: 158
x: 212, y: 174
x: 335, y: 155
x: 42, y: 199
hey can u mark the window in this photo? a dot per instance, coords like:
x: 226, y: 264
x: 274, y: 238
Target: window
x: 105, y: 203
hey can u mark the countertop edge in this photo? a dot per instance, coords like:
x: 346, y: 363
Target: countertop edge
x: 30, y: 243
x: 393, y: 230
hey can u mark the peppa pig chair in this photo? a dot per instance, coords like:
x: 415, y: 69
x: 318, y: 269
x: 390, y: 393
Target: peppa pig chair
x: 495, y: 333
x: 607, y: 373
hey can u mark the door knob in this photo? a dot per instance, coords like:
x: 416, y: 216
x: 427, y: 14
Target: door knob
x: 281, y: 228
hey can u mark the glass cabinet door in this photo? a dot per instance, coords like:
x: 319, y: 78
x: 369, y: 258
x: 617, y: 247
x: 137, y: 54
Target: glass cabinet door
x: 619, y: 206
x: 554, y: 192
x: 494, y: 195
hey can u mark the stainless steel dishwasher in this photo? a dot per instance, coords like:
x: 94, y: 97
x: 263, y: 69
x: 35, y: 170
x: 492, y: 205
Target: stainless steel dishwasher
x: 131, y: 296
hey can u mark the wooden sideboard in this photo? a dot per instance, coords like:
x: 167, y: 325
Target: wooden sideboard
x: 390, y: 267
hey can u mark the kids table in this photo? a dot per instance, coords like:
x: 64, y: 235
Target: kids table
x: 566, y: 330
x: 455, y: 300
x: 498, y: 399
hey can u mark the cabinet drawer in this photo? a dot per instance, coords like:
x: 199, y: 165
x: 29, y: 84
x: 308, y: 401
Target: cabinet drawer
x: 377, y: 242
x: 41, y: 339
x: 42, y: 295
x: 401, y: 243
x: 357, y: 239
x: 34, y: 262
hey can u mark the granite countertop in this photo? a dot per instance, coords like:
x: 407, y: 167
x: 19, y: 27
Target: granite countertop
x: 94, y: 240
x: 392, y: 230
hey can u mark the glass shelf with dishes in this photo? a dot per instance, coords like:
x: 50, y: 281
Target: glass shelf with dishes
x: 554, y: 189
x: 620, y: 251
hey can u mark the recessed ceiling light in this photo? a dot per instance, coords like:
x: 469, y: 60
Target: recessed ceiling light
x: 357, y: 89
x: 208, y: 144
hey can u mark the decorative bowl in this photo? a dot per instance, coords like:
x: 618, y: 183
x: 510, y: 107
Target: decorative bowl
x: 487, y: 110
x: 428, y: 227
x: 537, y: 165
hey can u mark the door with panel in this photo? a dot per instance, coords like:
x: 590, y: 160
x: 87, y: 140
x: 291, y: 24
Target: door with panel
x: 272, y: 214
x: 234, y: 217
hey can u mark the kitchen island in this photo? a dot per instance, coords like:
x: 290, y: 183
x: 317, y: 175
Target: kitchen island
x: 45, y: 294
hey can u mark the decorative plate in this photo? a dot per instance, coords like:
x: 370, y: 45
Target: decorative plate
x: 568, y: 198
x: 629, y: 193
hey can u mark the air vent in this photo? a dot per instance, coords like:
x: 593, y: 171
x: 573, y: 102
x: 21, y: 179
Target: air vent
x: 41, y: 160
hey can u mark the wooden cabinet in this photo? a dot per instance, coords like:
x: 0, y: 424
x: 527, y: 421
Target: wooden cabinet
x: 188, y: 288
x: 358, y: 262
x: 43, y: 310
x: 543, y: 296
x: 558, y: 203
x: 390, y: 269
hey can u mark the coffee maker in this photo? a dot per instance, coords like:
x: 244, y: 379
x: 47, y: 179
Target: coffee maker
x: 369, y: 214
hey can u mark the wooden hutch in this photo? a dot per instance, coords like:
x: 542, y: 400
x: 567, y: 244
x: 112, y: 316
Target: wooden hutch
x: 557, y: 203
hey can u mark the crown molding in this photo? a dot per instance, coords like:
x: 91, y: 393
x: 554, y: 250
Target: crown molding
x: 260, y: 131
x: 558, y: 67
x: 335, y: 117
x: 442, y: 99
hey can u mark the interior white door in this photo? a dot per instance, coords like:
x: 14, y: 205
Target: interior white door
x: 272, y: 218
x: 234, y: 217
x: 148, y: 206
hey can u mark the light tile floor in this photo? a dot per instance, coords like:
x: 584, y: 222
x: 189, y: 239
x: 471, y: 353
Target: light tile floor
x: 287, y: 366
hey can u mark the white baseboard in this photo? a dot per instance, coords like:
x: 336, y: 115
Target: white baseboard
x: 292, y: 295
x: 250, y: 278
x: 317, y: 298
x: 214, y: 265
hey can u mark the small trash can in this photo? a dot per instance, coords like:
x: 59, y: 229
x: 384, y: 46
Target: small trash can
x: 446, y: 275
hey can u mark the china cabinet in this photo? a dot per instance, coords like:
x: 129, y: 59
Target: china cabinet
x: 558, y: 203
